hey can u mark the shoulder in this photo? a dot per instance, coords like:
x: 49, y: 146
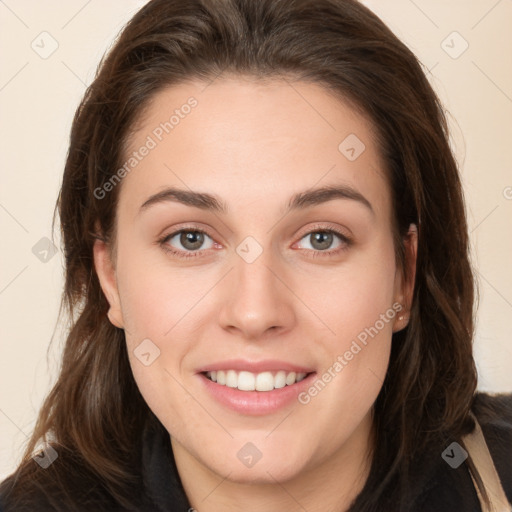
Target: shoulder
x: 61, y: 485
x: 494, y: 413
x: 447, y: 487
x: 69, y: 484
x: 494, y: 409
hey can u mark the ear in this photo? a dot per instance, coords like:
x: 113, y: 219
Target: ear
x: 108, y: 281
x: 404, y: 280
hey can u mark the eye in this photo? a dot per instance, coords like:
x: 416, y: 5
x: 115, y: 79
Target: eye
x: 191, y: 241
x: 321, y: 241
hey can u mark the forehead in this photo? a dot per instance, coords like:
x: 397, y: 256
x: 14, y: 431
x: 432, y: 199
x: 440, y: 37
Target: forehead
x: 250, y: 141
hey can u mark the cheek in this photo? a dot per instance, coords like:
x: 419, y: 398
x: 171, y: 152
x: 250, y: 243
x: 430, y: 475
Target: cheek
x: 358, y: 308
x: 158, y: 315
x: 158, y: 300
x: 356, y: 295
x: 162, y: 311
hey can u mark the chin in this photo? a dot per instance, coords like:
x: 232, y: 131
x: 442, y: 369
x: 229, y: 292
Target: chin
x: 261, y: 475
x: 267, y: 470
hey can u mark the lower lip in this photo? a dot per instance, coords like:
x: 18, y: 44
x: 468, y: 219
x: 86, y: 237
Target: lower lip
x: 256, y: 403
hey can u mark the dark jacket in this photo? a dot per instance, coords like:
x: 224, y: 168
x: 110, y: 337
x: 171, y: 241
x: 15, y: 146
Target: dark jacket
x: 440, y: 487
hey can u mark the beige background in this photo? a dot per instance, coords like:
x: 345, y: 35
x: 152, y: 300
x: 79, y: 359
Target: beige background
x: 38, y: 97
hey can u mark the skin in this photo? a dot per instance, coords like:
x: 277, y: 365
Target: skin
x: 255, y: 145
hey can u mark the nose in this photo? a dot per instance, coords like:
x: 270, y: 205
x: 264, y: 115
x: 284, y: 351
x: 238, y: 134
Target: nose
x: 258, y: 300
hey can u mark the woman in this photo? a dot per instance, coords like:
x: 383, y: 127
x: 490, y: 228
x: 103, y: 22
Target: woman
x: 267, y: 270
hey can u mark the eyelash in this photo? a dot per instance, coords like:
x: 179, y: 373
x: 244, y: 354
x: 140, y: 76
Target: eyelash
x: 346, y: 241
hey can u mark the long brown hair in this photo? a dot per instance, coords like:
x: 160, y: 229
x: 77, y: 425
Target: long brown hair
x: 95, y: 411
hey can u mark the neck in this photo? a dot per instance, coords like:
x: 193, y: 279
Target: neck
x: 332, y: 484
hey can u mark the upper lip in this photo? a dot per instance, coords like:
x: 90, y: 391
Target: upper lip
x: 255, y: 366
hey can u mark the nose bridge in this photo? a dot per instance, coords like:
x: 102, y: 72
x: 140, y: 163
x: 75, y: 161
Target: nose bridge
x: 258, y: 300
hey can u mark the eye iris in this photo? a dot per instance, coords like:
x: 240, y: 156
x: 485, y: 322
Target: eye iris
x: 324, y: 239
x: 195, y: 238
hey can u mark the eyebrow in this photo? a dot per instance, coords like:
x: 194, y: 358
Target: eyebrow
x: 301, y: 200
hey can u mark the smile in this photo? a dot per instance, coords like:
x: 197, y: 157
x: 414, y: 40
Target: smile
x: 248, y: 381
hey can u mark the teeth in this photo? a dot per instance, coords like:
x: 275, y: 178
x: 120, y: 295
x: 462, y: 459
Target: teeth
x: 247, y: 381
x: 264, y: 382
x: 280, y: 380
x: 290, y: 378
x: 221, y: 378
x: 231, y: 379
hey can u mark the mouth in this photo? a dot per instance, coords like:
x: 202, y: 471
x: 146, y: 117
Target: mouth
x: 249, y: 381
x: 255, y: 388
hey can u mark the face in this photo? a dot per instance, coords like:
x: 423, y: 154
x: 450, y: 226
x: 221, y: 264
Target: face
x: 260, y: 280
